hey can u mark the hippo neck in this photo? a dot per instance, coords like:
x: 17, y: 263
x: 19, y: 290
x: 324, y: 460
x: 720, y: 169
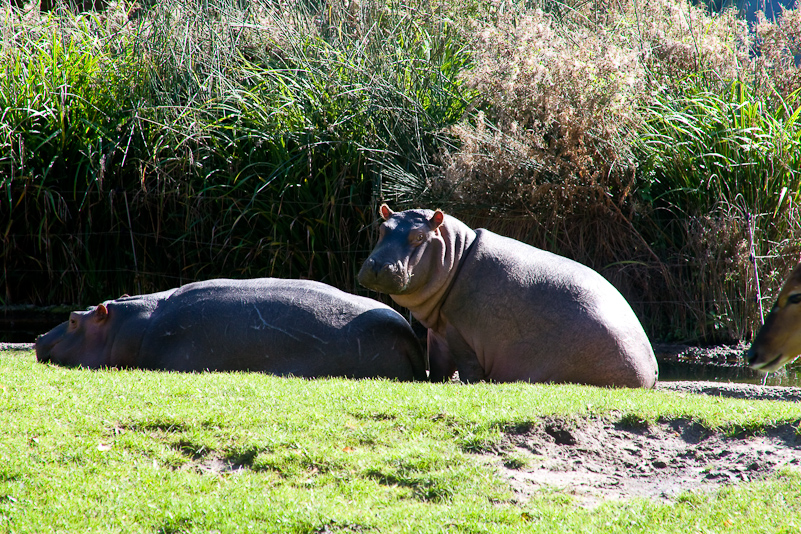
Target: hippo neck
x: 425, y: 304
x: 125, y: 341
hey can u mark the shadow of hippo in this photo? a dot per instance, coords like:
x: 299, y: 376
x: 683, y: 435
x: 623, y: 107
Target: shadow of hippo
x: 498, y: 309
x: 284, y: 327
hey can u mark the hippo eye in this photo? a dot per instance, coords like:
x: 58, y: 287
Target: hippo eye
x: 794, y: 299
x: 419, y: 238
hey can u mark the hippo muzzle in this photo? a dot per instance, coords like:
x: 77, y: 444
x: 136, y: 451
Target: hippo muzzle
x: 43, y: 346
x: 390, y: 277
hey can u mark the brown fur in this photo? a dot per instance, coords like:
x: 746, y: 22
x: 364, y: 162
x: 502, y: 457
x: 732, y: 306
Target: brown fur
x: 778, y: 342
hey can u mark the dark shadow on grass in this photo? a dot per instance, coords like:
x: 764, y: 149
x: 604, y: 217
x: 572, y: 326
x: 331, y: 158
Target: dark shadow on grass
x: 423, y: 488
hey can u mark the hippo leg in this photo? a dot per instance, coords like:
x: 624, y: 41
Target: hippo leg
x: 440, y: 363
x: 463, y: 355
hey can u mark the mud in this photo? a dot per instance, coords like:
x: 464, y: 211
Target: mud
x: 598, y: 460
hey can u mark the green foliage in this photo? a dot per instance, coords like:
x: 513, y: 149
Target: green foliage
x: 715, y: 165
x: 253, y: 149
x: 150, y: 144
x: 704, y: 148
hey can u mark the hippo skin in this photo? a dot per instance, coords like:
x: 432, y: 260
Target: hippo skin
x: 498, y: 309
x: 284, y: 327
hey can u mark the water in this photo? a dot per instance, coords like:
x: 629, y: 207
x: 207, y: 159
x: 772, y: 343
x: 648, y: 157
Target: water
x: 23, y: 324
x: 788, y: 376
x: 723, y: 363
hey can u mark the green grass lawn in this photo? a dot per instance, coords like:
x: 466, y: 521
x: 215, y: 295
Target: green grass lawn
x: 134, y: 451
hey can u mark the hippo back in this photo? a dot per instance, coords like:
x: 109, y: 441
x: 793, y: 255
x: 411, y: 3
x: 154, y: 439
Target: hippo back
x: 286, y: 327
x: 545, y: 318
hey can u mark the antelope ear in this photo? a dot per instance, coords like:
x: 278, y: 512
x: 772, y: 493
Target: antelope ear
x: 386, y: 213
x: 101, y: 312
x: 437, y: 219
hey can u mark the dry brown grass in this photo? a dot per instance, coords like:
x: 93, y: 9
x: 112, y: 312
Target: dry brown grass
x: 548, y: 158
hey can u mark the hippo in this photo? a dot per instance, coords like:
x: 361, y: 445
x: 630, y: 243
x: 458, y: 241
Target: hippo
x: 778, y: 342
x: 284, y: 327
x: 500, y: 310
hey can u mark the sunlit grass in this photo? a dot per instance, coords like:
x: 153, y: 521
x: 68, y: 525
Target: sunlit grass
x: 142, y: 451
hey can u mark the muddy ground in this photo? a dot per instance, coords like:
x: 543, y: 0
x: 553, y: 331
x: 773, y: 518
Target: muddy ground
x: 599, y: 459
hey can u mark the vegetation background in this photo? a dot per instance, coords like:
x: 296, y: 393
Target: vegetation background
x: 148, y: 144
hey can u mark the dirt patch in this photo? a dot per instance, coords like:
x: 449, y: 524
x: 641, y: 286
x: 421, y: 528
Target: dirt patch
x: 597, y: 460
x: 733, y: 390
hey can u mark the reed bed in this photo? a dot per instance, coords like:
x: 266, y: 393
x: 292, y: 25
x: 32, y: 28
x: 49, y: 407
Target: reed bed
x: 145, y: 145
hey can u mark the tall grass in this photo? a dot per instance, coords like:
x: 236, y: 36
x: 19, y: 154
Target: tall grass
x: 197, y: 139
x: 147, y: 145
x: 723, y: 172
x: 638, y: 138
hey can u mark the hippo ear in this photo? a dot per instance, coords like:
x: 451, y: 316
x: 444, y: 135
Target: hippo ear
x: 101, y: 312
x: 436, y: 220
x: 386, y: 213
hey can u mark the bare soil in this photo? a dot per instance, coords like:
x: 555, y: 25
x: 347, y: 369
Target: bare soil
x: 597, y: 460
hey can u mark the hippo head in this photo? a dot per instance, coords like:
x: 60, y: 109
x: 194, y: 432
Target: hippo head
x: 779, y: 340
x: 80, y: 341
x: 409, y: 250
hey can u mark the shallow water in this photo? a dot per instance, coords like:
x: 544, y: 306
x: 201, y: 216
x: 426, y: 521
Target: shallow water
x: 788, y: 376
x: 719, y: 363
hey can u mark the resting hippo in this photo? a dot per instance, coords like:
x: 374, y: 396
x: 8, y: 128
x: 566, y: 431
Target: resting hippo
x: 284, y: 327
x: 778, y: 342
x: 498, y: 309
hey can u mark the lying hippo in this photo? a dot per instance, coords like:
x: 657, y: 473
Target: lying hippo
x: 778, y: 342
x: 285, y: 327
x: 498, y: 309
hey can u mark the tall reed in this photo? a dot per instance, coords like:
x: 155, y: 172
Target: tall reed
x: 144, y: 149
x: 151, y: 144
x: 723, y: 169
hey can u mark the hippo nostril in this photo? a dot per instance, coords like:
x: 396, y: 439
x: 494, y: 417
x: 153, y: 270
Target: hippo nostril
x: 378, y: 267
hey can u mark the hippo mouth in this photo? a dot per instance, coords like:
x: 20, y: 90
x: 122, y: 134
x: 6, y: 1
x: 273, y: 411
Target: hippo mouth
x: 762, y: 363
x: 42, y: 354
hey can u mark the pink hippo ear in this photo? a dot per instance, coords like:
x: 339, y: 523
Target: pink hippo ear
x: 436, y: 220
x: 386, y: 213
x: 101, y: 312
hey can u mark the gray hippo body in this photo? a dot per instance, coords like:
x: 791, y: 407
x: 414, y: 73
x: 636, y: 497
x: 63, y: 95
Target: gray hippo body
x: 284, y: 327
x: 498, y: 309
